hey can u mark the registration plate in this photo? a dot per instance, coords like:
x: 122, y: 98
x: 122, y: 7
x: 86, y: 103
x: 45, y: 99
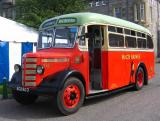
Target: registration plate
x: 22, y: 89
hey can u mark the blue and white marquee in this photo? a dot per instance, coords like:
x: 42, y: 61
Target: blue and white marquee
x: 15, y: 40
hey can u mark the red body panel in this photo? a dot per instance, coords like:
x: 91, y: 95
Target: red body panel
x: 54, y: 67
x: 116, y: 65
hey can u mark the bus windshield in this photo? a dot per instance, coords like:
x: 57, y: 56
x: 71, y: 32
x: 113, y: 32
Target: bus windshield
x: 59, y: 37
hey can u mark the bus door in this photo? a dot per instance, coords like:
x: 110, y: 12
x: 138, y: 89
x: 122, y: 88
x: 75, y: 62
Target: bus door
x: 94, y: 46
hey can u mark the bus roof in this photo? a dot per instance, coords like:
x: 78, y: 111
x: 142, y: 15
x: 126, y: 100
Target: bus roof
x: 76, y: 19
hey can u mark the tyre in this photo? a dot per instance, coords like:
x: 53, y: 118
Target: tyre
x: 140, y: 76
x: 24, y: 98
x: 71, y: 97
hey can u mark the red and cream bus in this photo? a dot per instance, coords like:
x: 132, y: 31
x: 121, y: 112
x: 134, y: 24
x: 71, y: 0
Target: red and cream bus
x: 84, y: 55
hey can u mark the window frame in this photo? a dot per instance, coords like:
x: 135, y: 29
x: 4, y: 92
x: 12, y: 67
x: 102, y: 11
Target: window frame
x: 151, y: 41
x: 142, y: 47
x: 139, y: 12
x: 120, y: 12
x: 118, y: 35
x: 135, y: 41
x: 129, y: 35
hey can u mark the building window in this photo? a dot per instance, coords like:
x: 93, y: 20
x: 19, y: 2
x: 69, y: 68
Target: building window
x: 139, y: 12
x: 136, y: 12
x: 117, y: 12
x: 142, y: 11
x: 151, y: 14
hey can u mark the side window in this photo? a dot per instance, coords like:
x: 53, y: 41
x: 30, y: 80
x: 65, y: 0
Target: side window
x: 115, y: 29
x: 133, y: 33
x: 82, y: 41
x: 130, y: 42
x: 141, y: 43
x: 119, y: 30
x: 130, y: 32
x: 127, y: 31
x: 116, y: 40
x: 111, y: 28
x: 149, y: 42
x: 139, y: 34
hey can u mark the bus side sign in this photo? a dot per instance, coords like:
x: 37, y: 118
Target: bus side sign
x: 67, y: 20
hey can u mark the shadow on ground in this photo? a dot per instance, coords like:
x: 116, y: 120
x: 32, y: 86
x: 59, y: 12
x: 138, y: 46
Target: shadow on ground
x: 43, y: 108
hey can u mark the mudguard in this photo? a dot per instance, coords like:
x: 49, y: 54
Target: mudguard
x: 16, y: 79
x: 49, y: 85
x: 57, y: 80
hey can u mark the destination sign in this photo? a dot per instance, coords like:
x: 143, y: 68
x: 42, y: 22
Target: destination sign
x: 67, y: 20
x: 49, y: 23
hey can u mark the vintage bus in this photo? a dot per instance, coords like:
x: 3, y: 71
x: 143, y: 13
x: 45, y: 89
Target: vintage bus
x: 84, y: 55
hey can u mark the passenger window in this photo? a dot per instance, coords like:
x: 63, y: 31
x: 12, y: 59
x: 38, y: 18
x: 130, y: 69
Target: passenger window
x: 139, y: 34
x: 82, y: 41
x: 143, y: 35
x: 149, y: 42
x: 119, y: 30
x: 133, y: 33
x: 128, y: 32
x: 141, y: 43
x: 111, y: 28
x: 116, y: 40
x: 130, y: 42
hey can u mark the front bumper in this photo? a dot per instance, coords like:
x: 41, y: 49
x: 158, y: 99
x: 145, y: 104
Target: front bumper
x: 41, y: 89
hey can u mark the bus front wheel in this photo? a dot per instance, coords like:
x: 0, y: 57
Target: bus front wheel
x: 140, y: 76
x: 71, y: 97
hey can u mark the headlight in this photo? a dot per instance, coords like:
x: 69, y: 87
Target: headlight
x: 40, y: 69
x: 17, y: 68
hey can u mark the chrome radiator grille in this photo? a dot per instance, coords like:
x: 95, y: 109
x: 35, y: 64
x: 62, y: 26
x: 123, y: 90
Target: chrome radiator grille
x: 29, y: 72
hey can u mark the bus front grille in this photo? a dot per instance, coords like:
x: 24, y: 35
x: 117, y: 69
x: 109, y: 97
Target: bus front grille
x: 29, y: 72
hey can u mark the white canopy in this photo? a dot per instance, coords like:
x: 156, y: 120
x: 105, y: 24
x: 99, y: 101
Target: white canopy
x: 12, y: 31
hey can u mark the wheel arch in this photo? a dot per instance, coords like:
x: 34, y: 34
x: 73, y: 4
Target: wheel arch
x: 73, y: 73
x: 143, y: 66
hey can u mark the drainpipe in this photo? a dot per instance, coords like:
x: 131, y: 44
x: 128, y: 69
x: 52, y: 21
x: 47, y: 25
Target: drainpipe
x: 127, y: 9
x: 108, y: 8
x: 158, y: 31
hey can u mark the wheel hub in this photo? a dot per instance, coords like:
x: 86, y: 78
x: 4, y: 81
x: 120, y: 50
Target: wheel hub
x: 140, y: 79
x: 71, y: 96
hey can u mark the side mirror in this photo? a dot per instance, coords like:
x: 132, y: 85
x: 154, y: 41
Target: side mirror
x: 82, y: 40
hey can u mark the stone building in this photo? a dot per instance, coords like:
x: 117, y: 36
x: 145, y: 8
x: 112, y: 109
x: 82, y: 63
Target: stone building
x: 143, y: 12
x: 7, y: 9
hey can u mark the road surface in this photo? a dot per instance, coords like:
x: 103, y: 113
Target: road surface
x: 128, y: 105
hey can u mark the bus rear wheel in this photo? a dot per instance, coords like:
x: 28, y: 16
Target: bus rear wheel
x: 71, y: 97
x: 140, y: 76
x: 23, y: 97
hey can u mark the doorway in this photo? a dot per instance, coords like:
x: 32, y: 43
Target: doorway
x: 95, y: 41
